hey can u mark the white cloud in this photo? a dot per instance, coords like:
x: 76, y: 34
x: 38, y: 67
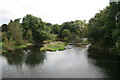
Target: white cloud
x: 54, y: 11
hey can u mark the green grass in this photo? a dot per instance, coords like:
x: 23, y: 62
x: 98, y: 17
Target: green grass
x: 54, y: 46
x: 23, y: 46
x: 20, y: 47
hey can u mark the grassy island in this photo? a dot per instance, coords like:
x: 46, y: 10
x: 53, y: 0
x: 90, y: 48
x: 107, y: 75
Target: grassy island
x: 54, y: 46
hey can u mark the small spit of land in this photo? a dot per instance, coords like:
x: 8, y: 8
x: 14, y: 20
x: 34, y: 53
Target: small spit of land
x: 54, y: 46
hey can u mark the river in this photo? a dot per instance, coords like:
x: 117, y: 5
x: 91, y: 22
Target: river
x: 74, y: 62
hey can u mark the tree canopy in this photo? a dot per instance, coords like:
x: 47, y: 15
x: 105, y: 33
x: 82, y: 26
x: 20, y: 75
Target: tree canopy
x: 103, y: 28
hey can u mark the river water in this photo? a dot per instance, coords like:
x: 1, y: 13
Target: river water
x: 74, y: 62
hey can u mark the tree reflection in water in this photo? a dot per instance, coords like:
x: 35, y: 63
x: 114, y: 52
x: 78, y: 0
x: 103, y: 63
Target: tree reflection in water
x: 110, y: 63
x: 14, y: 58
x: 30, y: 57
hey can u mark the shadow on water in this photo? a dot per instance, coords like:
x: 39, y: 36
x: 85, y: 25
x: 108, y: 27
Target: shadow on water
x: 31, y: 56
x: 34, y: 57
x: 110, y: 63
x: 15, y: 58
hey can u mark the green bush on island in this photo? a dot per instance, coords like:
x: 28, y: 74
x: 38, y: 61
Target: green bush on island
x: 54, y: 46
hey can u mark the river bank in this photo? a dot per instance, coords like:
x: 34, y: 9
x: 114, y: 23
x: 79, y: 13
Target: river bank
x: 99, y: 50
x: 50, y: 45
x: 17, y: 47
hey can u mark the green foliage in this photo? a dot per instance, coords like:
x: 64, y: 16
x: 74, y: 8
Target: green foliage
x: 23, y: 46
x: 15, y: 30
x: 103, y: 30
x: 12, y: 35
x: 54, y: 46
x: 66, y: 34
x: 31, y: 26
x: 56, y: 28
x: 8, y: 44
x: 74, y: 29
x: 29, y: 35
x: 86, y: 42
x: 1, y: 43
x: 53, y: 37
x: 34, y: 30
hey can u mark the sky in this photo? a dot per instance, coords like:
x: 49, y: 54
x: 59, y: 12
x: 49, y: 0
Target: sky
x: 52, y: 11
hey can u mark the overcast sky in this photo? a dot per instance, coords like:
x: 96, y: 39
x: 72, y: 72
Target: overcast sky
x: 53, y: 11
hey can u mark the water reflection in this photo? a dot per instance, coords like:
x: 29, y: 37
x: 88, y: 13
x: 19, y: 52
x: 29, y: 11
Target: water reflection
x: 30, y: 56
x: 34, y: 58
x: 15, y: 58
x: 74, y: 62
x: 110, y: 63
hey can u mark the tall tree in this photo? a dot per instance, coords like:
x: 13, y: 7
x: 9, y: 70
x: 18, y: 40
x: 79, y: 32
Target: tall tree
x: 103, y: 30
x: 16, y: 31
x: 32, y: 23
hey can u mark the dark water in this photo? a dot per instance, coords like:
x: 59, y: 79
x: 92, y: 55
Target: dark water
x: 74, y: 62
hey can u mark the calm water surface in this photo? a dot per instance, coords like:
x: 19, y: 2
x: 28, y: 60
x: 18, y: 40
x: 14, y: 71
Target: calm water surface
x: 74, y: 62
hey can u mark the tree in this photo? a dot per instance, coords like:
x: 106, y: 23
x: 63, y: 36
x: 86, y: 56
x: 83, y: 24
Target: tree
x: 75, y: 28
x: 56, y: 29
x: 8, y: 44
x: 4, y: 28
x: 66, y: 34
x: 16, y: 31
x: 29, y: 35
x: 34, y: 24
x: 103, y: 30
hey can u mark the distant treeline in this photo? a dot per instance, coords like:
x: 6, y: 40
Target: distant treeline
x: 34, y: 30
x: 103, y: 30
